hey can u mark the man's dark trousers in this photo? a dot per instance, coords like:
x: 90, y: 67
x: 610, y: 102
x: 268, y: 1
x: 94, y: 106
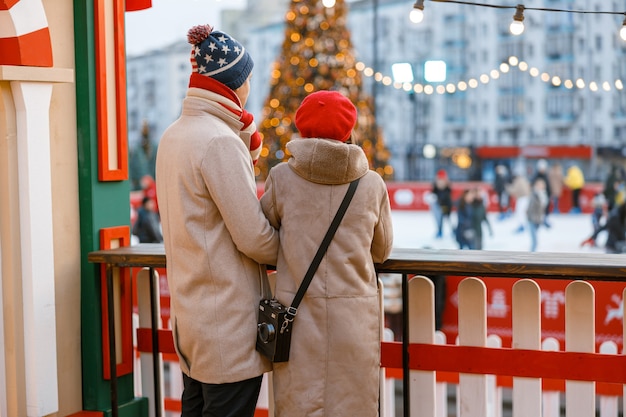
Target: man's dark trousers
x: 236, y: 399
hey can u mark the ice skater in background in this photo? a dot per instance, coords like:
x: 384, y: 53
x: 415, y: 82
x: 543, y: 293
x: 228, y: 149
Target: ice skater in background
x: 537, y: 210
x: 555, y: 181
x: 441, y: 204
x: 575, y: 181
x: 519, y: 189
x: 479, y: 216
x: 542, y: 174
x: 500, y: 183
x: 615, y: 227
x: 465, y: 231
x: 599, y: 204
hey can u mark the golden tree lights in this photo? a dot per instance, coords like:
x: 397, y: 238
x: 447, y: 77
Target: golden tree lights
x: 316, y: 55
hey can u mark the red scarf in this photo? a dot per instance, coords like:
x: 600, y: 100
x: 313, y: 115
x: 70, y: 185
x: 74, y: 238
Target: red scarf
x: 206, y: 83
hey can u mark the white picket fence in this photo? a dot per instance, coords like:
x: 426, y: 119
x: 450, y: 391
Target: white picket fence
x: 477, y: 394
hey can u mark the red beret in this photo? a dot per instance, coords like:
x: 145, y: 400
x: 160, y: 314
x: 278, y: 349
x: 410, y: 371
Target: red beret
x: 326, y: 115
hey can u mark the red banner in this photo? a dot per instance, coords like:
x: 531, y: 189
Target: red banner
x: 609, y: 309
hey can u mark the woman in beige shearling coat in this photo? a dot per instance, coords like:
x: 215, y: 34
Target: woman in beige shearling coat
x: 335, y: 348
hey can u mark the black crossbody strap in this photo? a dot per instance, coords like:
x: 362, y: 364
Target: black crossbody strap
x: 291, y: 311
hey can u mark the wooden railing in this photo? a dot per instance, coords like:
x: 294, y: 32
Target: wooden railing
x: 418, y: 355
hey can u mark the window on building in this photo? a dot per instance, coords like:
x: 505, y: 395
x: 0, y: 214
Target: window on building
x: 559, y: 45
x: 133, y: 120
x: 598, y: 132
x: 383, y: 24
x: 150, y: 91
x: 563, y: 134
x: 505, y: 108
x: 597, y: 103
x: 616, y: 133
x: 559, y: 105
x: 620, y: 105
x: 455, y: 110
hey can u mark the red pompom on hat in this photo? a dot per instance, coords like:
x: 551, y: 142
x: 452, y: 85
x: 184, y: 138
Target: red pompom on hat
x: 442, y: 175
x: 326, y: 115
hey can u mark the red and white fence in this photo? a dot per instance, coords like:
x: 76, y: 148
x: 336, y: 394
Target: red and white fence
x: 537, y: 369
x: 536, y: 374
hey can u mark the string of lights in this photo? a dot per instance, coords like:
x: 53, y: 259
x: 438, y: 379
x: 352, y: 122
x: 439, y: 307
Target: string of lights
x: 517, y: 25
x: 494, y: 74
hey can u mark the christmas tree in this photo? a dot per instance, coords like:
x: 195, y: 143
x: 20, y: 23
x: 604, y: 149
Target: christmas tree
x: 316, y: 55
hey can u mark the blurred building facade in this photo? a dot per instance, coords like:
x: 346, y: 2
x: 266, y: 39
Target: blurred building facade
x: 157, y: 82
x: 511, y: 117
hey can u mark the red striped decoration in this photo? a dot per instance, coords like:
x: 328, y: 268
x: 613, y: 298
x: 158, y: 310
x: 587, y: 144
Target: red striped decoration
x: 28, y: 49
x: 134, y: 5
x: 7, y: 4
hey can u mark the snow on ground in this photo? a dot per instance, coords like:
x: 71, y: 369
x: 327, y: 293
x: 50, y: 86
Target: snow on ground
x: 417, y: 229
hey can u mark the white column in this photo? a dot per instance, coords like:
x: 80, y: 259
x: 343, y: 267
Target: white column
x: 32, y: 105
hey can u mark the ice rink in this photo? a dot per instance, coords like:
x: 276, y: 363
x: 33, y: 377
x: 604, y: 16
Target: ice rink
x: 417, y: 229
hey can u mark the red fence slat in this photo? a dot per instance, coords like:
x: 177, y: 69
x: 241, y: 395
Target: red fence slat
x: 144, y: 340
x: 573, y: 366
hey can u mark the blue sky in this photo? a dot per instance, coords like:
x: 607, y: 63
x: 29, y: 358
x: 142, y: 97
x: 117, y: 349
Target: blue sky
x: 168, y: 21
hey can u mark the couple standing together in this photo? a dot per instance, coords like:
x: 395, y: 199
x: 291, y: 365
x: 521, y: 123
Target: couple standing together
x: 218, y: 238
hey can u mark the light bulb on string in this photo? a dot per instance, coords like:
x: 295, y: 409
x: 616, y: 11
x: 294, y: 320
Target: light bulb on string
x: 406, y: 84
x: 328, y: 3
x: 622, y: 31
x: 417, y: 14
x: 517, y: 25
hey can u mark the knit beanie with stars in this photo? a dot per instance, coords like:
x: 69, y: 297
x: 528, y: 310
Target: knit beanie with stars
x: 217, y: 55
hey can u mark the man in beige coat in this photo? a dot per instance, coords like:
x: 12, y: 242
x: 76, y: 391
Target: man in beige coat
x: 334, y: 359
x: 216, y: 236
